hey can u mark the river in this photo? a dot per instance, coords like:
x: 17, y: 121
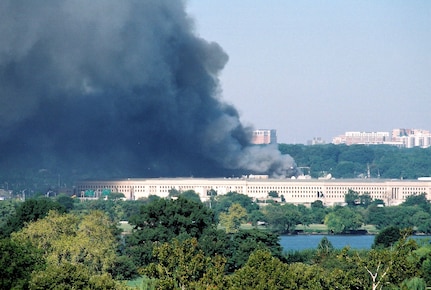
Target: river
x: 302, y: 242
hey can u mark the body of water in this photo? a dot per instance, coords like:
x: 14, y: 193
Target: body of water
x: 302, y: 242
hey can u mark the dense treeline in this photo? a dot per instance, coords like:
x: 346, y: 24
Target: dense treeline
x: 343, y: 161
x: 181, y: 243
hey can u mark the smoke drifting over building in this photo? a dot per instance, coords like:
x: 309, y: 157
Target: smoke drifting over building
x: 124, y: 87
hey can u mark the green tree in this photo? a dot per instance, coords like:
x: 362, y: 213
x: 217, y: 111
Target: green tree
x: 66, y: 201
x: 174, y: 192
x: 376, y: 215
x: 351, y: 198
x: 87, y: 241
x: 405, y: 264
x: 17, y: 262
x: 345, y: 169
x: 423, y: 253
x: 72, y: 276
x: 237, y: 247
x: 124, y: 268
x: 422, y: 221
x: 358, y: 153
x: 387, y: 237
x: 116, y: 196
x: 334, y: 223
x: 29, y: 211
x: 243, y: 243
x: 317, y: 204
x: 393, y: 265
x: 232, y: 220
x: 419, y: 200
x: 167, y: 219
x: 273, y: 193
x: 7, y: 210
x: 182, y: 265
x: 414, y: 283
x: 399, y: 216
x: 161, y: 221
x: 306, y: 217
x: 256, y: 216
x: 344, y: 161
x: 343, y: 219
x: 365, y: 200
x: 282, y: 218
x: 324, y: 247
x: 262, y: 271
x: 215, y: 241
x: 318, y: 212
x: 222, y: 203
x: 192, y: 195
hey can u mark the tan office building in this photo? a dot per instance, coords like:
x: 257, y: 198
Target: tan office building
x: 296, y: 191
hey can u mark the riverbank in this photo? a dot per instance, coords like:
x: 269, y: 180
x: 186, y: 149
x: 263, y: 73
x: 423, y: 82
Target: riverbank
x: 321, y: 229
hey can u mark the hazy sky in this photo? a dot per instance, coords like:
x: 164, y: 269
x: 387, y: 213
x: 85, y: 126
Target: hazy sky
x: 320, y: 68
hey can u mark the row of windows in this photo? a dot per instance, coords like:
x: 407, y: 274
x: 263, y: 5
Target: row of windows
x: 336, y: 191
x: 284, y: 187
x: 303, y: 196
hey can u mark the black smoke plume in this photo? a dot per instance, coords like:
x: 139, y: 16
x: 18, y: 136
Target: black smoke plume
x: 118, y: 88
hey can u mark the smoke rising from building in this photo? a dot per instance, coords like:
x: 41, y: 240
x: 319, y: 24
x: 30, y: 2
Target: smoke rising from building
x: 124, y: 87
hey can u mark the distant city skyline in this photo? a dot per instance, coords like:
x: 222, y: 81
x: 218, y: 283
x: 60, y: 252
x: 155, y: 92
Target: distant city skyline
x: 321, y: 68
x: 401, y: 137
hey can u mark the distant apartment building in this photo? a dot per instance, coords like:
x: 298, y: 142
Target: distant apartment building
x: 316, y: 141
x: 403, y: 138
x: 410, y: 138
x: 264, y: 136
x: 367, y: 138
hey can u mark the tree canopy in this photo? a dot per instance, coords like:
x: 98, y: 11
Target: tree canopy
x: 29, y: 211
x: 162, y: 220
x: 343, y: 161
x: 17, y: 262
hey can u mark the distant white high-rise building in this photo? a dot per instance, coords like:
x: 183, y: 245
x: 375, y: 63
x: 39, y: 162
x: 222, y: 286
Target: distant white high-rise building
x: 410, y: 138
x: 367, y: 138
x: 403, y: 138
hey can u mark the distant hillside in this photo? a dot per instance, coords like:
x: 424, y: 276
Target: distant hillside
x: 343, y: 161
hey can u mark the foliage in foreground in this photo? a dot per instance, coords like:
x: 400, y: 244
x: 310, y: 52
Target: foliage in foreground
x: 177, y: 245
x: 77, y: 251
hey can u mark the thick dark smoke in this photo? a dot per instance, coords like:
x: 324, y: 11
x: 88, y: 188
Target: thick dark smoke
x: 118, y: 87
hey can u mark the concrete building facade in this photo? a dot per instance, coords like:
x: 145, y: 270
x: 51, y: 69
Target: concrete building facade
x: 295, y: 191
x: 264, y: 136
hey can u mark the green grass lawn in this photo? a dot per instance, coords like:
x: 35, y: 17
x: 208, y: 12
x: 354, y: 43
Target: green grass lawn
x: 323, y: 229
x: 313, y: 228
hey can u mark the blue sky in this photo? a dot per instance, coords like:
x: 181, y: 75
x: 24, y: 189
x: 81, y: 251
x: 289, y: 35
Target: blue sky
x: 320, y: 68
